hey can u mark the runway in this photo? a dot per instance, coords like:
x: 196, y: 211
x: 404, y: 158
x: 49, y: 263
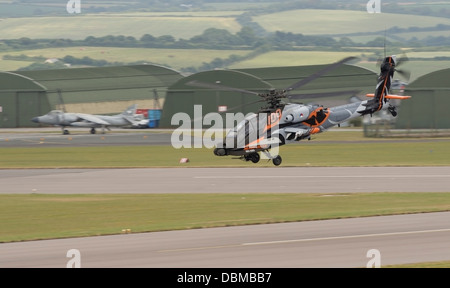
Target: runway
x: 226, y: 180
x: 49, y: 137
x: 330, y: 243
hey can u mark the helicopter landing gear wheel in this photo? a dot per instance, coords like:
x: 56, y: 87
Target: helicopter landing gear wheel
x: 393, y: 111
x: 277, y: 160
x: 255, y: 158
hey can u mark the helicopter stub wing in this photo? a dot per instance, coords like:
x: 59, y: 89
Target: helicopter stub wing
x: 301, y: 133
x: 263, y: 143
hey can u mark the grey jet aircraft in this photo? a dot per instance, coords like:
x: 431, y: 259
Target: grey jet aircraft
x: 60, y: 118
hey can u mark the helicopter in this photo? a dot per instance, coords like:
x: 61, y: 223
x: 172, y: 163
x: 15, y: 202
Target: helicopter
x: 281, y: 123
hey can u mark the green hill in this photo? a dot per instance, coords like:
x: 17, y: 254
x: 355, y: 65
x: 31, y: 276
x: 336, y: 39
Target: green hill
x: 80, y: 26
x: 332, y: 22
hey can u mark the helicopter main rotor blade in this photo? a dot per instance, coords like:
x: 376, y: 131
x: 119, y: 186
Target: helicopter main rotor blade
x: 319, y: 73
x: 229, y: 109
x: 402, y: 60
x: 219, y: 87
x: 323, y: 95
x: 241, y: 106
x: 404, y: 73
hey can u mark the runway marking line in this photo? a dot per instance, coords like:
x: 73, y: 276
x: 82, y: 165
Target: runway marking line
x: 199, y: 248
x: 347, y: 237
x: 43, y: 142
x: 302, y: 240
x: 320, y: 176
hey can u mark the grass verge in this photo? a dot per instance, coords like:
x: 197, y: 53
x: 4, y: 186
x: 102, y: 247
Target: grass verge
x: 402, y: 153
x: 43, y: 216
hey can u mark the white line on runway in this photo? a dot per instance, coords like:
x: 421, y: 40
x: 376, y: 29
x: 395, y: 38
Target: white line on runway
x: 346, y: 237
x: 320, y: 176
x: 305, y: 240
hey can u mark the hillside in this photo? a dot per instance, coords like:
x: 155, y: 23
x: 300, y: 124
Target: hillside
x: 281, y: 36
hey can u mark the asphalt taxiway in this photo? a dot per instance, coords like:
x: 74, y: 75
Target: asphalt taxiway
x: 226, y: 180
x: 49, y: 137
x: 357, y: 242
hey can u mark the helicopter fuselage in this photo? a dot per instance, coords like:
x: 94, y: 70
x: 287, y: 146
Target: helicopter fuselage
x: 290, y: 123
x: 281, y: 123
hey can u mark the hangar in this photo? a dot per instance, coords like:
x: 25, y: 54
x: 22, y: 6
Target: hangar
x: 428, y: 107
x: 104, y: 90
x: 181, y: 97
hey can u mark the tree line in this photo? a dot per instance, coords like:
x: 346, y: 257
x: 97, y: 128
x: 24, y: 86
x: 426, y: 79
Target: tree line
x: 212, y: 38
x: 220, y: 39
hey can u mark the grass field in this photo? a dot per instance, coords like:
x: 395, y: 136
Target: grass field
x: 174, y: 58
x: 331, y: 22
x: 98, y: 25
x: 440, y: 264
x: 182, y: 58
x: 426, y: 153
x: 185, y: 25
x: 60, y: 216
x: 293, y: 58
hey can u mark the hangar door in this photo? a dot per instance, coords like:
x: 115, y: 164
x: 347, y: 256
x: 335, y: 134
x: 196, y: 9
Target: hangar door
x: 28, y: 106
x: 17, y: 108
x: 8, y: 111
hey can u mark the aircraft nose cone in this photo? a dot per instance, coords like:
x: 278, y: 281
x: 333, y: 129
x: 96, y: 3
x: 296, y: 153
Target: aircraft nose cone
x: 35, y: 120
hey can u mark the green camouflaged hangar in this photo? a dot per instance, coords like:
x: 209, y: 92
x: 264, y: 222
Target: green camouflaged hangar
x: 429, y: 105
x: 109, y: 90
x: 105, y: 90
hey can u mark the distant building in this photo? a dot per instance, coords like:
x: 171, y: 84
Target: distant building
x: 51, y: 60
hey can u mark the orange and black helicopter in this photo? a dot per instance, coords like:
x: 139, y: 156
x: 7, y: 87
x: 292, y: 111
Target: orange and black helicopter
x: 281, y: 123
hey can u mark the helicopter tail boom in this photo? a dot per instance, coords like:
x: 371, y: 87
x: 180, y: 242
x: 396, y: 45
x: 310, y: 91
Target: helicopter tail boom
x: 400, y: 97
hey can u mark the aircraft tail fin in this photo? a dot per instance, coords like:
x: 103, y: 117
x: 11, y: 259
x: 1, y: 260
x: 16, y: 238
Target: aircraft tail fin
x: 130, y: 111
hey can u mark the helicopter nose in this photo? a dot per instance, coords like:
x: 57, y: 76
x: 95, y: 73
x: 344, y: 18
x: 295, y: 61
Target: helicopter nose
x: 35, y: 120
